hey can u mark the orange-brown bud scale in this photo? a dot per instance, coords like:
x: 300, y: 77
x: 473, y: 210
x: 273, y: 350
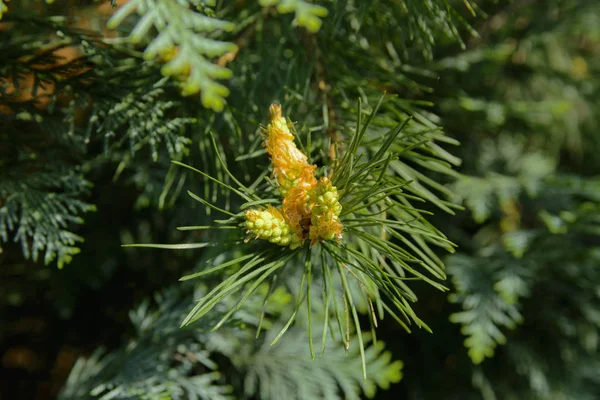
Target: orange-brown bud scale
x: 290, y: 165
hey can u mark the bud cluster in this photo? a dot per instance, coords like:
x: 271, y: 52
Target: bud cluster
x: 325, y: 213
x: 310, y: 208
x: 270, y: 225
x: 290, y: 165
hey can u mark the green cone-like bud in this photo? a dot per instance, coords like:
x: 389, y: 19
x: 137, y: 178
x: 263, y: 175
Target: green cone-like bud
x: 325, y: 224
x: 270, y: 225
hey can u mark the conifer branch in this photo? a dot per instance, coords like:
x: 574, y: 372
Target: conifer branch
x: 39, y: 210
x: 307, y: 15
x: 310, y: 222
x: 183, y: 44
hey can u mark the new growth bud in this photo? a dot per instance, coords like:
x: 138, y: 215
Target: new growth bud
x: 270, y: 225
x: 325, y: 212
x: 290, y: 165
x: 310, y: 208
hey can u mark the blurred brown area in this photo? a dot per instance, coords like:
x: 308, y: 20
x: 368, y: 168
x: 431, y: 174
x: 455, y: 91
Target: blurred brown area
x: 30, y: 369
x: 91, y: 18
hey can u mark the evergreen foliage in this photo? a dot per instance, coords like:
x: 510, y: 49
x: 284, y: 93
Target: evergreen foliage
x: 110, y: 111
x: 40, y: 207
x: 531, y: 192
x: 181, y: 43
x: 160, y: 363
x: 164, y: 361
x: 307, y: 15
x: 361, y: 252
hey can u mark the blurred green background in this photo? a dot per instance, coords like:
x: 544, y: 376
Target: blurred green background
x: 521, y: 94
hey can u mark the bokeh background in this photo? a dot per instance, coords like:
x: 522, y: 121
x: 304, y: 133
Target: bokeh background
x: 516, y: 83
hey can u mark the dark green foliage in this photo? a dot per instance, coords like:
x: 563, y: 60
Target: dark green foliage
x: 47, y: 149
x: 141, y: 116
x: 39, y: 207
x: 163, y: 361
x: 498, y: 285
x: 489, y: 105
x: 523, y: 275
x: 166, y: 361
x: 338, y: 375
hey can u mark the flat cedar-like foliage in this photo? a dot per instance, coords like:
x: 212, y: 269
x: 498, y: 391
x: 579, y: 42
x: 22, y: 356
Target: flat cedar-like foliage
x: 271, y: 199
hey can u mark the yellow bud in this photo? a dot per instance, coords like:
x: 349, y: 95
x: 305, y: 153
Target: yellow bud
x: 275, y: 239
x: 270, y: 225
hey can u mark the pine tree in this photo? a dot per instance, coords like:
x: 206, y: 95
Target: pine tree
x: 302, y: 168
